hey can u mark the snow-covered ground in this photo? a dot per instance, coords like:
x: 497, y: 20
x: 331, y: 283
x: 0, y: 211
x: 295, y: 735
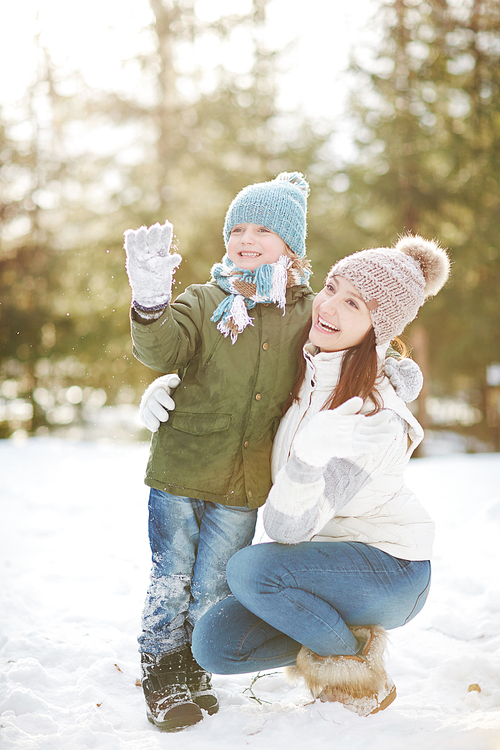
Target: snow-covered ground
x: 74, y: 559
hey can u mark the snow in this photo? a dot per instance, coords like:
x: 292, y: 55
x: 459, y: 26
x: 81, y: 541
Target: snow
x: 74, y: 558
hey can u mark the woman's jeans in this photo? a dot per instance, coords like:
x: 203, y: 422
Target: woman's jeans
x: 308, y: 593
x: 191, y: 542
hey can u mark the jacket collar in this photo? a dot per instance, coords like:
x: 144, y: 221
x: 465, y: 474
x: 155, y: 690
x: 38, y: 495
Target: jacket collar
x: 322, y: 367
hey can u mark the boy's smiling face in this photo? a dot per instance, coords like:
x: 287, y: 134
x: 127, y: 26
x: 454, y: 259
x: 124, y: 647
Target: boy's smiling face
x: 251, y: 245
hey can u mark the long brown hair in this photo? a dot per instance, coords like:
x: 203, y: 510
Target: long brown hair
x: 359, y: 372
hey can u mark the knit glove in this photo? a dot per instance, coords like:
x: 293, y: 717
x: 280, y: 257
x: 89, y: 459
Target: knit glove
x: 156, y: 402
x: 342, y: 432
x: 150, y: 265
x: 405, y: 376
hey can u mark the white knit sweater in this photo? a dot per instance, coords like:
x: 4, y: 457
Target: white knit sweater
x: 361, y: 498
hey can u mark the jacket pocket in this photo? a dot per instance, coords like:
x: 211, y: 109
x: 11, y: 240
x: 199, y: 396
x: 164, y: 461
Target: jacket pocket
x: 199, y: 424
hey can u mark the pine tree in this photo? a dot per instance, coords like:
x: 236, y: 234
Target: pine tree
x: 31, y: 325
x: 186, y: 142
x: 204, y: 142
x: 428, y: 125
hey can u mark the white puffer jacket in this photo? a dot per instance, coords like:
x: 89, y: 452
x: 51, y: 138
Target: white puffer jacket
x: 361, y: 498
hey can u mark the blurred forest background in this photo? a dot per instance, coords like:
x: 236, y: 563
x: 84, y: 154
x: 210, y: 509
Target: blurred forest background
x: 79, y: 165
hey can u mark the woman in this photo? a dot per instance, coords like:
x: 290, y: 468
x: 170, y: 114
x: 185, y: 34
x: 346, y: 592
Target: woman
x: 352, y: 549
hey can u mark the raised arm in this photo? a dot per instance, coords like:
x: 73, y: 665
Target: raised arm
x: 150, y: 266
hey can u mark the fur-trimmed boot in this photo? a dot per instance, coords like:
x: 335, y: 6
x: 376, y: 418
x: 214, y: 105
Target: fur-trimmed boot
x: 359, y: 682
x: 169, y: 704
x: 199, y: 683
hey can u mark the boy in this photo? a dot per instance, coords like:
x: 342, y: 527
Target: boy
x: 233, y: 341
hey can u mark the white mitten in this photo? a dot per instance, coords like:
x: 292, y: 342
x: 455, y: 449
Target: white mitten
x: 156, y: 402
x: 150, y: 264
x: 405, y: 376
x: 342, y: 432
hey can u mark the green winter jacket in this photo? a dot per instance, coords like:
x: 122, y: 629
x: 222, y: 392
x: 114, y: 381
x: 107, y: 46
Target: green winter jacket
x: 217, y: 442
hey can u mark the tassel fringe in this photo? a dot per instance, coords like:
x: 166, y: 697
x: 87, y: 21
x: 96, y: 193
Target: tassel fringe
x: 268, y: 283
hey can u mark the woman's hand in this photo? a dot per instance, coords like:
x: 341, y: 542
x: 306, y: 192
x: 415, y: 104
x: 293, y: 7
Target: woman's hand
x: 156, y: 402
x: 342, y: 432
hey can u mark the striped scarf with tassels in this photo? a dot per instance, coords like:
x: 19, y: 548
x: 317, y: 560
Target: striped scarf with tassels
x: 268, y: 283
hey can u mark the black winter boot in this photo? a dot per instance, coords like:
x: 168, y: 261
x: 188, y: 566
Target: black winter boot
x: 200, y: 685
x: 169, y: 703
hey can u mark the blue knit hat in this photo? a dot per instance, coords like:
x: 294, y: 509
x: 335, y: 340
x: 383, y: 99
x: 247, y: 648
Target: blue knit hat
x: 279, y: 205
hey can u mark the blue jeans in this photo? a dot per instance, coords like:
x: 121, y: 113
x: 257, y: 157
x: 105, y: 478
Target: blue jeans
x: 191, y: 542
x: 308, y: 593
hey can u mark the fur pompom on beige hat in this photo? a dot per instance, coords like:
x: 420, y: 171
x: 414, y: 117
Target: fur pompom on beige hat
x: 395, y: 282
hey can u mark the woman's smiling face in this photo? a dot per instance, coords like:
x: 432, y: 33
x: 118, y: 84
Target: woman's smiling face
x: 340, y: 317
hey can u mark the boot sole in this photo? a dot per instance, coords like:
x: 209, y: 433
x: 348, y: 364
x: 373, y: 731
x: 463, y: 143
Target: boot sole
x: 211, y: 709
x: 179, y: 718
x: 386, y: 702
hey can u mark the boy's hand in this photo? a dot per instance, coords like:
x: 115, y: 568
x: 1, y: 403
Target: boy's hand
x: 342, y: 432
x: 156, y: 402
x: 150, y: 264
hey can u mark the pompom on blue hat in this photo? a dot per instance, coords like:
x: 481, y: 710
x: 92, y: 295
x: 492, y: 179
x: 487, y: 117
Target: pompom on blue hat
x: 279, y: 205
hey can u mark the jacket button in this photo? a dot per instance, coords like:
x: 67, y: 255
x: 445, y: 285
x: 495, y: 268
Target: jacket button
x: 258, y: 396
x: 249, y: 493
x: 245, y: 444
x: 265, y: 346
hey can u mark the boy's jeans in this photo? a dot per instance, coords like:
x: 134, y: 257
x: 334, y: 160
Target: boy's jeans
x: 308, y: 593
x: 191, y: 541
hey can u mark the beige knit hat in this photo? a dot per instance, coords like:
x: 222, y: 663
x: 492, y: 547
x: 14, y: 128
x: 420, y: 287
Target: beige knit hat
x: 395, y: 281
